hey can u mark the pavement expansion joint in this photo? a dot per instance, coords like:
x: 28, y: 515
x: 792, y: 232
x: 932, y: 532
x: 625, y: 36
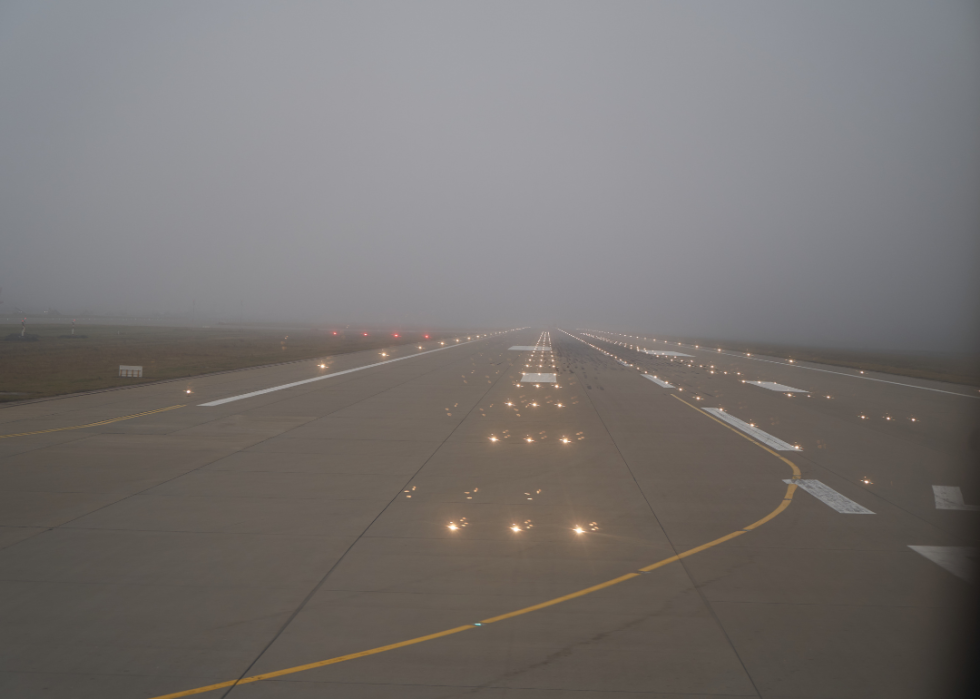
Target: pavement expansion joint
x: 293, y: 508
x: 784, y: 503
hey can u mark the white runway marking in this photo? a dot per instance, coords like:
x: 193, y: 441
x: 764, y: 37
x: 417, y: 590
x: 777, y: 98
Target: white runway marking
x: 539, y: 378
x: 325, y: 376
x: 773, y: 386
x: 840, y: 373
x: 950, y: 497
x: 752, y: 431
x: 657, y: 381
x: 529, y: 348
x: 961, y: 561
x: 666, y: 353
x: 831, y: 497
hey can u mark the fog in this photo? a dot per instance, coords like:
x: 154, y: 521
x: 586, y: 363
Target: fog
x: 793, y: 172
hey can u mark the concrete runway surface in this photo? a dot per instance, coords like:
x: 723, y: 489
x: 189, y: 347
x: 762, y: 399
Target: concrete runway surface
x: 435, y: 527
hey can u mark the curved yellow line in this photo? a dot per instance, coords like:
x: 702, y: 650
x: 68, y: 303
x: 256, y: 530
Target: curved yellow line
x: 796, y: 471
x: 790, y: 490
x: 91, y: 424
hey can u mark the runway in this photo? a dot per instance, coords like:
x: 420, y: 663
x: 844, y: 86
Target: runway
x: 526, y: 514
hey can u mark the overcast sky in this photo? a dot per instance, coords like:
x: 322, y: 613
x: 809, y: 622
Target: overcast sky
x: 802, y: 172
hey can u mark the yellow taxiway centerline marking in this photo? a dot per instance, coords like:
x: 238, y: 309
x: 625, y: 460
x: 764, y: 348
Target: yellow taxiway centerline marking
x: 91, y: 424
x: 796, y: 471
x: 790, y: 489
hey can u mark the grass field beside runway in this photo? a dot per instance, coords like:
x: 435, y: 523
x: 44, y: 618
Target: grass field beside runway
x: 56, y: 365
x: 934, y: 366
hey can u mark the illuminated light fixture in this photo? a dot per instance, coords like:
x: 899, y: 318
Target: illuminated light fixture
x: 494, y: 439
x: 528, y: 439
x: 323, y: 366
x: 452, y: 526
x: 515, y: 528
x: 578, y: 530
x: 188, y: 390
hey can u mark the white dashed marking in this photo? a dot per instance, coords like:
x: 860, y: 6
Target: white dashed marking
x: 830, y: 497
x: 961, y: 561
x: 950, y: 497
x: 752, y: 431
x: 773, y: 386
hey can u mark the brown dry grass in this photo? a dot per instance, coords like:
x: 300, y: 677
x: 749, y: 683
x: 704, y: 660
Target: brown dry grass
x: 952, y: 368
x: 54, y: 365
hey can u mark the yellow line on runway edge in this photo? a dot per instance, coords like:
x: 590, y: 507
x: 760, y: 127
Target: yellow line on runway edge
x: 91, y: 424
x: 790, y: 490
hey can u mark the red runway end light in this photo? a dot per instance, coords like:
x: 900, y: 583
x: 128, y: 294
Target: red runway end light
x: 365, y: 334
x: 426, y: 337
x: 395, y: 334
